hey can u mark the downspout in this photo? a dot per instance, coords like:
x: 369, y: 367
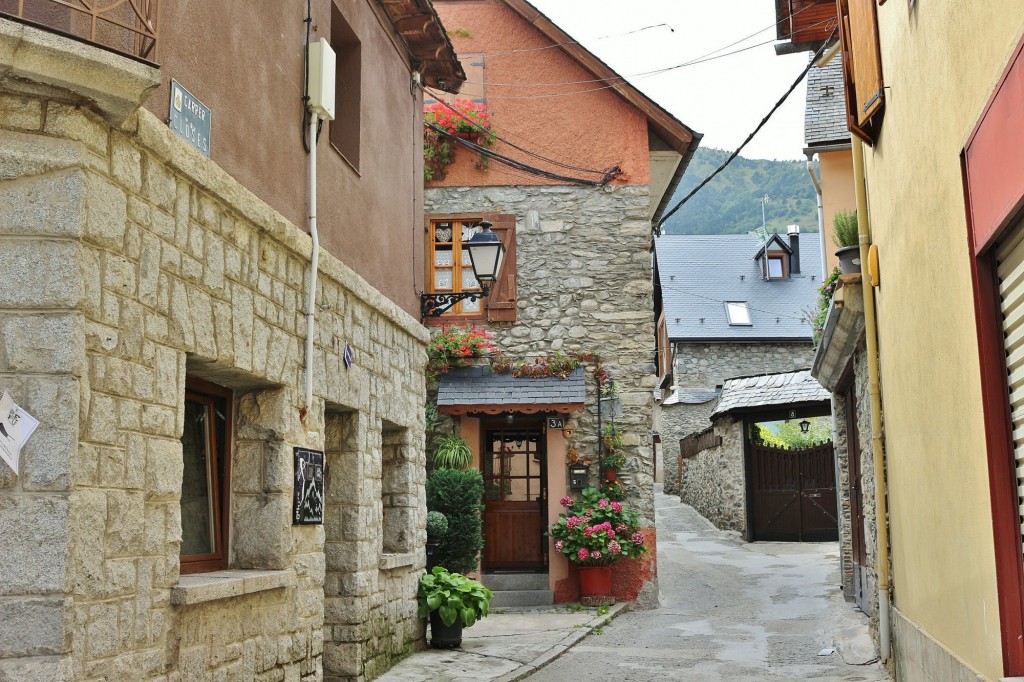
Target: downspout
x: 314, y: 264
x: 821, y: 216
x: 875, y: 397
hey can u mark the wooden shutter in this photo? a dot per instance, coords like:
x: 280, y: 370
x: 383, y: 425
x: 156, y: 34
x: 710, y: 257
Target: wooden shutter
x: 862, y: 67
x: 474, y: 89
x: 663, y: 349
x: 1010, y: 269
x: 501, y: 303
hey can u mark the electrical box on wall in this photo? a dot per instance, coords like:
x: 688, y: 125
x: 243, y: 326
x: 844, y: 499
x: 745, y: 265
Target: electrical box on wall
x: 320, y: 79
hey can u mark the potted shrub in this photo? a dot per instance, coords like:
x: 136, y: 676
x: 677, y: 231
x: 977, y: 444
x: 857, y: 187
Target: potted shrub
x: 453, y: 602
x: 437, y: 528
x: 457, y: 495
x: 846, y: 237
x: 594, y: 533
x: 612, y: 463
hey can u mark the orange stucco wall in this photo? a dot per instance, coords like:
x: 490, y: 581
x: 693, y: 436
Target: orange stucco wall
x: 595, y: 130
x: 837, y: 194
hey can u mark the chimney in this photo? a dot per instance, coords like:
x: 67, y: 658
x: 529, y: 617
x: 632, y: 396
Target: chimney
x: 794, y: 244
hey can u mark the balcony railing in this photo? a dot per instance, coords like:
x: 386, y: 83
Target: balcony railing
x: 129, y: 27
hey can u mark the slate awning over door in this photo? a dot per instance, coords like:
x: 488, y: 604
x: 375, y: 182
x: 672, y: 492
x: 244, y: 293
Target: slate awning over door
x: 466, y: 390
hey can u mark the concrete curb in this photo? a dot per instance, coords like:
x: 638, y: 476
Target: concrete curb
x: 564, y: 644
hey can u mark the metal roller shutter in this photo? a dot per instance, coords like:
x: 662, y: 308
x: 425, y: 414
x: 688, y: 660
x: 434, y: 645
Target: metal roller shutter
x: 1010, y: 270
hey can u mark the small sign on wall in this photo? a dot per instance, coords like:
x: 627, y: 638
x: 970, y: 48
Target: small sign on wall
x: 308, y: 493
x: 190, y: 118
x: 16, y: 425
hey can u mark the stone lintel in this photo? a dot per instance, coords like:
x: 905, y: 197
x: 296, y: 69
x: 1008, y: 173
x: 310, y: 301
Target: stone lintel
x: 203, y: 587
x: 390, y: 561
x: 114, y: 85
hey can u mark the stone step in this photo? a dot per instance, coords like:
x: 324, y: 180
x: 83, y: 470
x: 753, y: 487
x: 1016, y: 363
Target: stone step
x: 514, y: 598
x: 499, y: 582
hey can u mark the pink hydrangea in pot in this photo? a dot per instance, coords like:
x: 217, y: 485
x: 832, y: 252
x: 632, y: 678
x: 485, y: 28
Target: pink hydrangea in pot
x: 595, y: 532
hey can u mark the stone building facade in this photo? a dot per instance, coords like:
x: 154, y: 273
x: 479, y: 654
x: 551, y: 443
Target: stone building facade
x: 584, y: 282
x: 701, y: 369
x: 713, y: 481
x: 131, y: 265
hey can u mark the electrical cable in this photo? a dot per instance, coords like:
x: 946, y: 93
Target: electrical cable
x: 705, y: 181
x: 508, y: 161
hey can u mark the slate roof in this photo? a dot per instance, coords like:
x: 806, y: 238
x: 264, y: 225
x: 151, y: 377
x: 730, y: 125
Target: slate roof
x: 768, y: 390
x: 825, y: 113
x: 699, y: 273
x: 480, y: 386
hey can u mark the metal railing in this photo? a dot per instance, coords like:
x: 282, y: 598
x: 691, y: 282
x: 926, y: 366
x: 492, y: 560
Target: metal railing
x: 129, y: 27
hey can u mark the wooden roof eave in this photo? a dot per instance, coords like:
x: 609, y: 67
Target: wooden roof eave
x: 420, y: 29
x: 670, y: 129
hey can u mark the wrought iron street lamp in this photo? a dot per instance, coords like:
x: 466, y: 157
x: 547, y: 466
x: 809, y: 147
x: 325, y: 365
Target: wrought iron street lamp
x: 804, y: 426
x: 486, y: 253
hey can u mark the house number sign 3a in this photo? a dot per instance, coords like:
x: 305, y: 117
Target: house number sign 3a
x: 556, y: 423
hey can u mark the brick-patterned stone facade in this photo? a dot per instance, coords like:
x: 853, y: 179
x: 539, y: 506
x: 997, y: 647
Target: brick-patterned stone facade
x: 129, y: 262
x: 714, y: 482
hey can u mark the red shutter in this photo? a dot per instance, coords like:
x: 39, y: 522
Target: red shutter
x: 501, y: 302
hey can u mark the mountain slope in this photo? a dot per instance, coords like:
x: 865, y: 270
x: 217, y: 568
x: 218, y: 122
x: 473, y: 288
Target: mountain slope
x: 731, y: 202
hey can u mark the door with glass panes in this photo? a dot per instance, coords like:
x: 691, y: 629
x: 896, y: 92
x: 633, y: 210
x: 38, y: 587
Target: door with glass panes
x: 515, y: 496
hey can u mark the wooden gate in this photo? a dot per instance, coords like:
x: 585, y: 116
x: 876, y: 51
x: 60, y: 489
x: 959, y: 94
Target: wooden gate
x: 794, y: 494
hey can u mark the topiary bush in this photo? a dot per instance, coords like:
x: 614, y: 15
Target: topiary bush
x: 457, y: 495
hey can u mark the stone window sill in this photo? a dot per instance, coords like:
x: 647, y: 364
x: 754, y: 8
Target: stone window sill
x: 391, y: 561
x: 203, y: 587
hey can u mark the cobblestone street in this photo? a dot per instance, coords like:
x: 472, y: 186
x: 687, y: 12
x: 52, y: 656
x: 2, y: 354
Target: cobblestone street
x: 730, y: 611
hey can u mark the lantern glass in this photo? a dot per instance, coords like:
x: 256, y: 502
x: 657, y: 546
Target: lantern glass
x: 486, y: 253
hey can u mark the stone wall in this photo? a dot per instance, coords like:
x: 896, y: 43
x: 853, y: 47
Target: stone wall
x: 714, y: 481
x: 584, y: 283
x: 707, y: 366
x: 129, y: 262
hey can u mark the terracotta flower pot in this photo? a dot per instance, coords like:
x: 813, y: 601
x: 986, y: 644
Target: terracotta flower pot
x: 595, y: 581
x: 610, y: 475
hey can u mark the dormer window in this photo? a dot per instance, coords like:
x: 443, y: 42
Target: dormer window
x: 777, y: 266
x: 737, y: 312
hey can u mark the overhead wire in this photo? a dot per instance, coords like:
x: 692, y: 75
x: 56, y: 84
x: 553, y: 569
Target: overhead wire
x: 757, y: 129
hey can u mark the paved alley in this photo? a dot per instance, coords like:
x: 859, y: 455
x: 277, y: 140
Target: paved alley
x: 730, y: 611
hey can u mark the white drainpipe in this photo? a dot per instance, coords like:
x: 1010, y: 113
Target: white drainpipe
x: 821, y: 217
x: 314, y: 264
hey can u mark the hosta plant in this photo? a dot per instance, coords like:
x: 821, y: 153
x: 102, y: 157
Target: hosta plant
x: 453, y: 596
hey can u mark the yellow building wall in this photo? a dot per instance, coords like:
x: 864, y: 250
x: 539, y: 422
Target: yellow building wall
x: 837, y: 194
x: 941, y: 61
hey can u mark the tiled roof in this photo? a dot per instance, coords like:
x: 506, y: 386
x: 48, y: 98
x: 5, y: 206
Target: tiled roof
x: 692, y: 396
x: 699, y: 273
x: 825, y: 113
x: 481, y: 386
x: 769, y: 390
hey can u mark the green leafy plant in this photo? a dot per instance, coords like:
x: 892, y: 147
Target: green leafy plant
x: 596, y: 531
x: 844, y: 229
x: 457, y: 495
x: 613, y: 459
x: 825, y: 293
x: 437, y: 525
x: 452, y: 595
x: 451, y: 452
x: 612, y: 436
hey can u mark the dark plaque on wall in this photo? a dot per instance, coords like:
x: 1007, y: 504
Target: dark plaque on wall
x: 308, y: 494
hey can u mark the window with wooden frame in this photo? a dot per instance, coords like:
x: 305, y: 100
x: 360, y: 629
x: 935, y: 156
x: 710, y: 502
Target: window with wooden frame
x: 777, y: 266
x: 345, y: 130
x: 862, y: 68
x: 449, y: 270
x: 206, y: 477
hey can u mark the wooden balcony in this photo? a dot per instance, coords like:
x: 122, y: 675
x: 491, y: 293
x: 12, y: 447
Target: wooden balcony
x: 128, y: 27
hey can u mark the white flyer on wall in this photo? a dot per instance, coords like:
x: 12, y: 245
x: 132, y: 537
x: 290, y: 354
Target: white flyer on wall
x: 16, y: 425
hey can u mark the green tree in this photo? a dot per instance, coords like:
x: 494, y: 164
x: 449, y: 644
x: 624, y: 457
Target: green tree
x: 457, y: 495
x: 789, y: 435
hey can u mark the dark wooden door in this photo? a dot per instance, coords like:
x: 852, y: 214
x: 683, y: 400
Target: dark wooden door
x: 794, y: 494
x: 515, y: 498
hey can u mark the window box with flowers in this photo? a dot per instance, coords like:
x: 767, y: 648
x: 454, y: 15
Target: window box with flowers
x: 594, y: 533
x: 455, y: 346
x: 463, y: 119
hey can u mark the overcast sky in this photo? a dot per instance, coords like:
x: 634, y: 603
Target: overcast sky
x: 723, y: 98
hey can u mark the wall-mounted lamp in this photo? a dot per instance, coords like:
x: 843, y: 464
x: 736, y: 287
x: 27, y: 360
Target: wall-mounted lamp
x: 486, y: 252
x: 804, y: 425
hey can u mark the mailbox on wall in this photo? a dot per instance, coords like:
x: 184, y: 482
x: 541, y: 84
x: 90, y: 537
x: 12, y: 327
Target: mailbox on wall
x: 577, y: 477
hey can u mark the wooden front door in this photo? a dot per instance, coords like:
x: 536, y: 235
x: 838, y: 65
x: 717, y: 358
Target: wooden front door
x: 794, y: 494
x: 515, y: 498
x: 859, y: 547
